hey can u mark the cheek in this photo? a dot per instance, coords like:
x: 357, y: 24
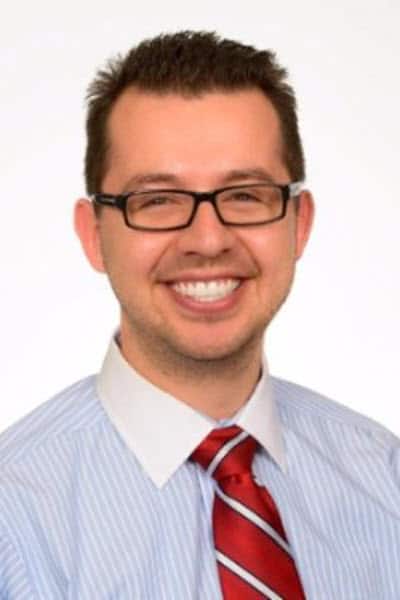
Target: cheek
x: 273, y: 249
x: 131, y: 256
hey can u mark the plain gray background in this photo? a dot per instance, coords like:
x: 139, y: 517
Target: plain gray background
x: 339, y: 331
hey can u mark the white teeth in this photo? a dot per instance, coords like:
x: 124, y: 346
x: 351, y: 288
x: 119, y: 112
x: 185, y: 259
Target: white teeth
x: 207, y: 291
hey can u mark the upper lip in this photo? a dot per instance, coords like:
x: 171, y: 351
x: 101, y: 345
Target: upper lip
x: 203, y: 276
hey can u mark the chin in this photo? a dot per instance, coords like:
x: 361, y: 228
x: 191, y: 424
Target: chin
x: 219, y: 351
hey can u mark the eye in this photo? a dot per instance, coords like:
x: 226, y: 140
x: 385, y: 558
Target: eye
x: 156, y: 200
x: 243, y: 196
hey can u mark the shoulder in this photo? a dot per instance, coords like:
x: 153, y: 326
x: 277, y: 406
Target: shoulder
x: 46, y: 459
x: 72, y: 410
x: 306, y: 410
x: 337, y: 456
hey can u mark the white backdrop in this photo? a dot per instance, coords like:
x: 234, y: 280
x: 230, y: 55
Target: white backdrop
x: 339, y: 332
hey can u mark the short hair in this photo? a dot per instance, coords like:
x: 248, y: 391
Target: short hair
x: 190, y: 63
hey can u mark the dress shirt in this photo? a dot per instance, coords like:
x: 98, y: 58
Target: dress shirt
x: 98, y: 499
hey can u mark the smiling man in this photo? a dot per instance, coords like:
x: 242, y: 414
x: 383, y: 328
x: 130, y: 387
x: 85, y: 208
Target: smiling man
x: 183, y: 469
x: 195, y: 306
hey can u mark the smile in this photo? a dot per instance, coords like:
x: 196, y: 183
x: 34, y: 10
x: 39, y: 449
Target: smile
x: 206, y: 291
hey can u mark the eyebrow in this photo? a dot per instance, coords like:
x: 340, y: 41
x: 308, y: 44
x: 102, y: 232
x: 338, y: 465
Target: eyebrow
x: 150, y: 178
x: 258, y: 173
x: 231, y: 177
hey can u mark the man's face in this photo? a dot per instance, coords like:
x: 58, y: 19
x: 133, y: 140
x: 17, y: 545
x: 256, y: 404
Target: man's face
x: 216, y: 140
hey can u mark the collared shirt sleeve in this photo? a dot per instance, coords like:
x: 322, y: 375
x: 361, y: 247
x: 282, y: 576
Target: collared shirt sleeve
x: 14, y: 583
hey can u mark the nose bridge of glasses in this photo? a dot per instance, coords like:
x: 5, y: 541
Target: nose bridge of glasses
x: 200, y: 197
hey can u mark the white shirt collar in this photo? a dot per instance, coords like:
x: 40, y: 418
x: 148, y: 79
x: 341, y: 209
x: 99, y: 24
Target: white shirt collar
x: 163, y: 431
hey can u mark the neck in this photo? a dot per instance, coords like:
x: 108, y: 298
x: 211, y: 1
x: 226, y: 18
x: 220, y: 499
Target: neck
x: 217, y: 388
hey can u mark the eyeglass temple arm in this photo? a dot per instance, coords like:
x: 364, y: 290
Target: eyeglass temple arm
x: 295, y: 188
x: 108, y: 199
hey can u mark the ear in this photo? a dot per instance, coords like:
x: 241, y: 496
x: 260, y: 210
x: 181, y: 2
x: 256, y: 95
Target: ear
x: 87, y: 228
x: 304, y: 221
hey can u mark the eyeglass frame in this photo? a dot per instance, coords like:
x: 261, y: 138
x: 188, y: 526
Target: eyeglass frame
x: 120, y: 201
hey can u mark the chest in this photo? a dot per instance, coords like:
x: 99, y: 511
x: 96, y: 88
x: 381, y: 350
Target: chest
x: 133, y: 541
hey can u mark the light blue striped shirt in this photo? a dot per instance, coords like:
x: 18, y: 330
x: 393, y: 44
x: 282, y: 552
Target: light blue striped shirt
x: 99, y: 501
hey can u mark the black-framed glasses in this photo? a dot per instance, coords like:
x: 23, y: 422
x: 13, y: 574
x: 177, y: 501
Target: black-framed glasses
x: 237, y: 206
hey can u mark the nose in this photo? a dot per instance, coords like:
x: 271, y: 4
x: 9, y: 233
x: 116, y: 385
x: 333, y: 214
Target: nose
x: 206, y: 235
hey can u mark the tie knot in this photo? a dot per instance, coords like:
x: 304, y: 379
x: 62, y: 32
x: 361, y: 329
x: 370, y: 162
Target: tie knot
x: 225, y: 452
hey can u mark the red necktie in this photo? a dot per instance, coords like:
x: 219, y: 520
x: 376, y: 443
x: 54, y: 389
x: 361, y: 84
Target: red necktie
x: 253, y: 556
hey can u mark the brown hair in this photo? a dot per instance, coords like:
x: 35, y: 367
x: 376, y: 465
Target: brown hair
x: 189, y: 63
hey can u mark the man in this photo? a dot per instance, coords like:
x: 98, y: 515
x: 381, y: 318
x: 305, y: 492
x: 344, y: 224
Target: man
x: 184, y: 470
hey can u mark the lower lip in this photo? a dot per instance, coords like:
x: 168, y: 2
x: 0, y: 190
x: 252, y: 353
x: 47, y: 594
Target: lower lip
x: 209, y: 308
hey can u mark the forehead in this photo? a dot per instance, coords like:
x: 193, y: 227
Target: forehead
x: 211, y: 132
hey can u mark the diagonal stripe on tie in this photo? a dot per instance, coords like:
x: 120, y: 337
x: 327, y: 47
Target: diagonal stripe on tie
x: 253, y: 554
x: 249, y: 578
x: 259, y: 501
x: 248, y: 546
x: 248, y: 514
x: 224, y: 450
